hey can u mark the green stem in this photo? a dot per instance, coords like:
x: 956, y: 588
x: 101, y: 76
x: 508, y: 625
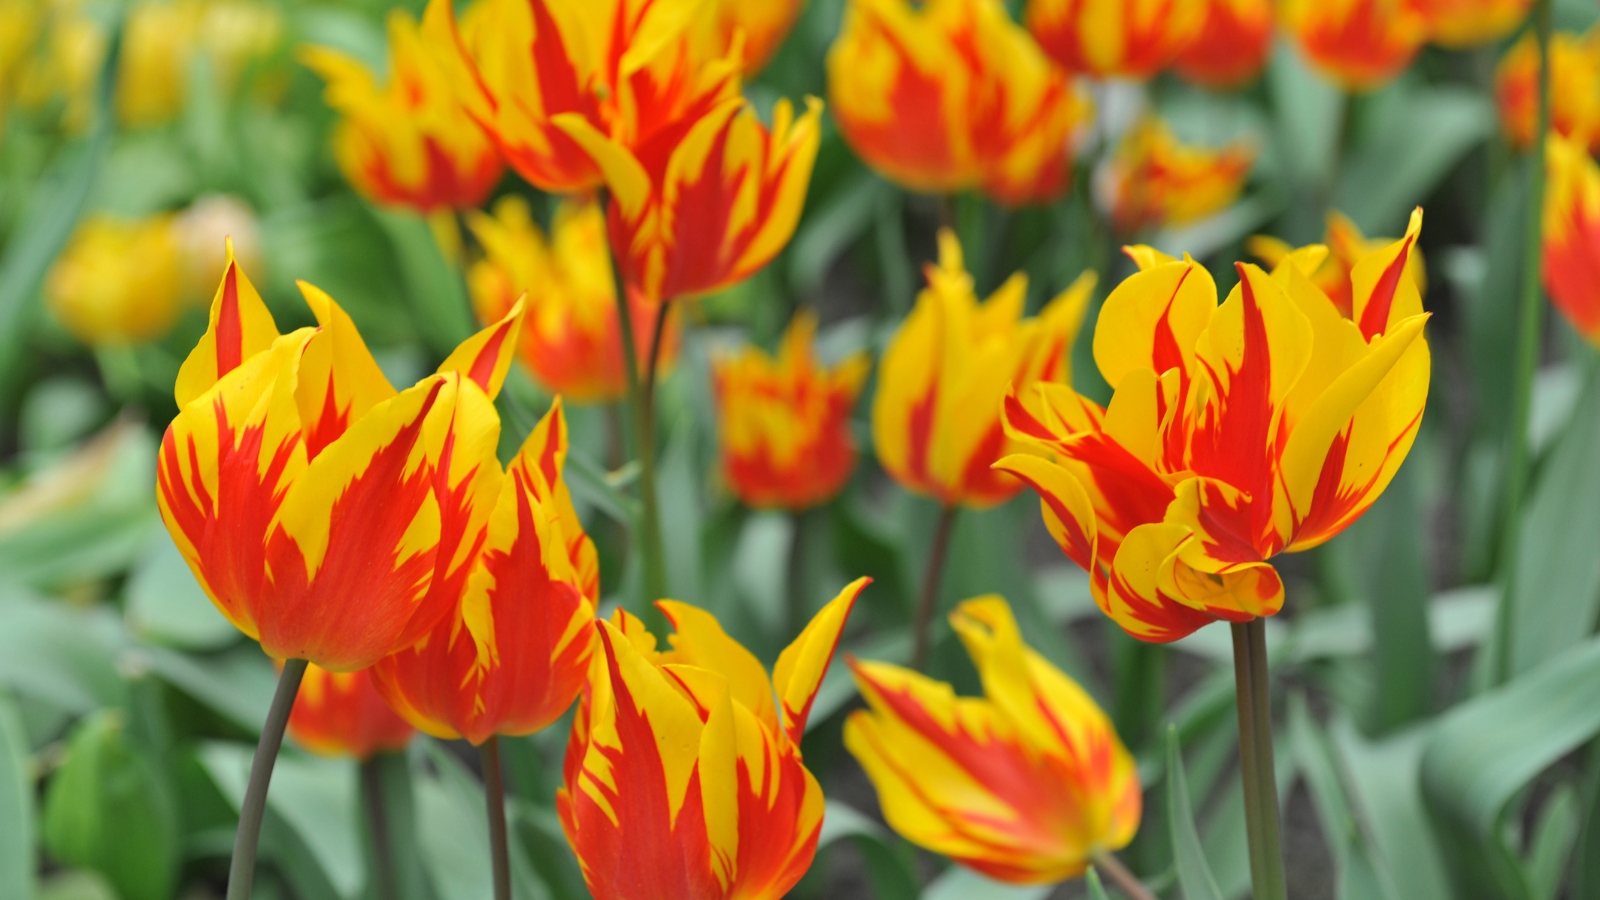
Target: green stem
x: 242, y: 869
x: 494, y: 797
x: 929, y: 599
x: 799, y: 611
x: 641, y: 396
x: 1119, y: 873
x: 1257, y: 770
x: 378, y: 827
x: 1529, y: 326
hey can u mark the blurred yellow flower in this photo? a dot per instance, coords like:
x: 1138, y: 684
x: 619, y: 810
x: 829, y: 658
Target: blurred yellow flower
x: 1359, y: 44
x: 1153, y: 179
x: 118, y: 281
x: 1460, y: 24
x: 1121, y: 38
x: 1574, y: 89
x: 761, y: 25
x: 202, y: 232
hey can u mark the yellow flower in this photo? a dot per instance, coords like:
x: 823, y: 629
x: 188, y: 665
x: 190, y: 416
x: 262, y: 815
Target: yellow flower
x: 1574, y: 89
x: 118, y: 282
x: 1153, y: 179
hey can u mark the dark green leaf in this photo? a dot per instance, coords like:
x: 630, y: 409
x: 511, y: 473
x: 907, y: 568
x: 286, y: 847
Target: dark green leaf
x: 891, y: 863
x: 16, y: 805
x: 438, y: 295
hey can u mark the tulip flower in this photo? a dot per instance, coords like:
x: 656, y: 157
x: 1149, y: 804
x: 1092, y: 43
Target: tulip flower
x: 153, y: 72
x: 1154, y: 180
x: 634, y: 72
x: 1345, y: 246
x: 1119, y: 38
x: 1359, y: 44
x: 1463, y: 24
x: 1235, y: 432
x: 342, y: 714
x: 784, y: 423
x: 684, y: 779
x: 1232, y: 46
x: 1574, y: 89
x: 1027, y: 784
x: 571, y: 342
x: 408, y: 143
x: 118, y: 282
x: 706, y: 212
x: 512, y: 655
x: 936, y: 416
x: 952, y: 95
x: 1572, y: 235
x: 760, y: 27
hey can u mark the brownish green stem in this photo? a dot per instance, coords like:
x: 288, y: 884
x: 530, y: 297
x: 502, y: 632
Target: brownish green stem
x: 242, y: 868
x: 1119, y: 873
x: 373, y: 801
x: 928, y: 601
x: 494, y: 796
x: 641, y: 396
x: 1257, y: 770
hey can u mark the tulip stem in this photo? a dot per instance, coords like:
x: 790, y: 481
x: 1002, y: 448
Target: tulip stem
x: 378, y: 827
x: 494, y: 797
x: 923, y: 623
x: 1529, y: 327
x: 1257, y: 771
x: 1129, y: 883
x: 641, y: 396
x: 242, y: 869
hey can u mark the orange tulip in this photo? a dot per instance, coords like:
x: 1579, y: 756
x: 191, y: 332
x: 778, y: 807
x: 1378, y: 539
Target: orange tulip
x: 1153, y: 180
x: 936, y: 417
x: 1121, y: 38
x: 633, y: 71
x: 784, y: 423
x: 1574, y: 89
x: 1572, y: 235
x: 408, y: 143
x: 706, y: 212
x: 1025, y: 784
x: 1236, y: 432
x: 1346, y: 246
x: 570, y: 341
x: 951, y: 95
x: 315, y: 504
x: 1232, y: 46
x: 761, y: 27
x: 1462, y: 24
x: 1360, y: 44
x: 684, y: 779
x: 511, y: 657
x: 341, y: 714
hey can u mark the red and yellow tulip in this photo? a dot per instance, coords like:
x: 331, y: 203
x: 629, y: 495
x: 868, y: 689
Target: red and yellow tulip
x: 704, y: 213
x: 118, y: 281
x: 342, y: 714
x: 1346, y: 246
x: 936, y: 416
x: 952, y: 95
x: 684, y: 779
x: 408, y: 143
x: 1232, y: 46
x: 1462, y: 24
x: 1359, y: 44
x: 1154, y: 180
x: 758, y: 29
x: 1572, y: 235
x: 1574, y: 89
x: 512, y: 655
x: 570, y: 342
x: 318, y: 506
x: 1025, y: 784
x: 784, y: 423
x: 1121, y: 38
x: 1236, y: 432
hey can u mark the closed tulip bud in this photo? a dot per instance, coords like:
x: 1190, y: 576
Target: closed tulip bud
x: 118, y: 282
x: 1154, y: 180
x: 1359, y: 44
x: 318, y: 506
x: 952, y: 95
x: 1026, y: 784
x: 1119, y: 38
x: 706, y: 212
x: 1236, y: 432
x: 407, y: 143
x: 1572, y: 235
x: 342, y: 714
x: 571, y: 342
x: 1345, y: 246
x: 1462, y: 24
x: 153, y: 71
x: 1574, y: 89
x: 936, y: 416
x: 1232, y: 46
x: 684, y: 779
x: 784, y: 422
x: 203, y: 232
x: 512, y: 655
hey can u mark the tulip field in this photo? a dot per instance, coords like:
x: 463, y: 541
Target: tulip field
x: 823, y: 449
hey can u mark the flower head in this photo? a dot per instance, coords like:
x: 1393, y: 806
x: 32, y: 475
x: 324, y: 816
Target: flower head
x: 951, y: 95
x: 511, y: 655
x: 118, y: 281
x: 684, y: 773
x: 1462, y: 24
x: 1023, y: 784
x: 1360, y: 44
x: 936, y: 416
x: 571, y: 342
x: 1574, y: 89
x: 756, y: 29
x: 316, y: 504
x: 1154, y: 180
x: 1345, y: 246
x: 341, y: 714
x: 1233, y: 43
x: 784, y: 423
x: 1122, y: 38
x: 1263, y: 425
x: 409, y: 142
x: 1572, y: 235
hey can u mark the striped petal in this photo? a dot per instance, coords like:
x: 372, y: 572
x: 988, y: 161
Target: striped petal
x: 240, y: 327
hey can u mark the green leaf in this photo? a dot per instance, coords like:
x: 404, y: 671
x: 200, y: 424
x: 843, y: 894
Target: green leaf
x: 165, y: 604
x: 237, y: 683
x: 831, y: 229
x: 891, y: 862
x: 76, y: 884
x: 438, y: 295
x: 16, y: 805
x: 1383, y: 780
x: 961, y: 883
x: 1309, y: 113
x: 57, y: 654
x: 1194, y: 876
x: 109, y: 808
x: 453, y: 832
x: 1091, y: 880
x: 1552, y: 844
x: 1362, y: 871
